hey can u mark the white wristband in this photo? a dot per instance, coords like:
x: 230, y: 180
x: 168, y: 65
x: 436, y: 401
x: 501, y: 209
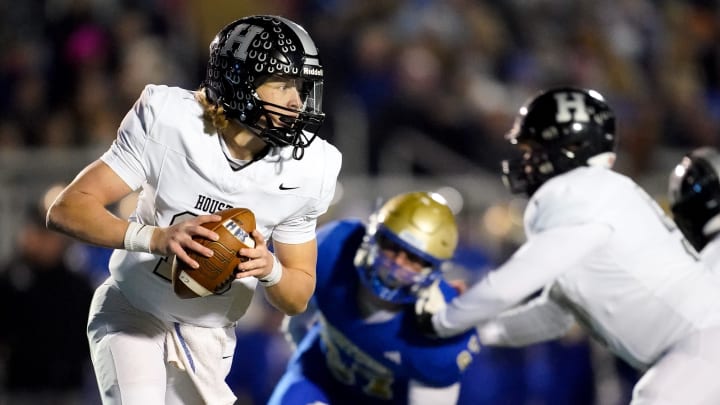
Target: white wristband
x: 274, y: 276
x: 138, y: 237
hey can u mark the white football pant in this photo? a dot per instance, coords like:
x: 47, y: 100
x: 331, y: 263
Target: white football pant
x: 128, y: 352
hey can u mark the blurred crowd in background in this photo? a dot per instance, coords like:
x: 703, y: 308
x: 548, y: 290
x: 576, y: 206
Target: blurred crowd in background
x: 420, y: 88
x: 454, y: 71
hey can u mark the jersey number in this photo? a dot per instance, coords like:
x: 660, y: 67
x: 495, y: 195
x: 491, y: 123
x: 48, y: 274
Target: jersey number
x: 347, y: 362
x: 163, y: 268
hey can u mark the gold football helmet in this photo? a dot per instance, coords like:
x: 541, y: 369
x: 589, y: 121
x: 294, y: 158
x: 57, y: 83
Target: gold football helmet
x: 422, y: 226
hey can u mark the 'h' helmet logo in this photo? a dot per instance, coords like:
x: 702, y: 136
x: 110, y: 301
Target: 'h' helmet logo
x: 571, y: 109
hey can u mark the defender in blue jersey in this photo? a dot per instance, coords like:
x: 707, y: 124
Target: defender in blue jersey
x: 359, y: 343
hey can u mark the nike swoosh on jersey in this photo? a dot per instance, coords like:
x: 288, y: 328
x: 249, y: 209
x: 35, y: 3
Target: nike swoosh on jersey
x: 284, y: 187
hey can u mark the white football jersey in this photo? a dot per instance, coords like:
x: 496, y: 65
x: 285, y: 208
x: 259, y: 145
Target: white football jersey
x: 635, y: 284
x: 163, y: 149
x: 710, y: 254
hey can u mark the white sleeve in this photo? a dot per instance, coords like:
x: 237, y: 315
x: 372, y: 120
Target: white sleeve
x: 420, y: 394
x: 539, y: 261
x: 301, y: 228
x: 539, y: 320
x: 126, y: 155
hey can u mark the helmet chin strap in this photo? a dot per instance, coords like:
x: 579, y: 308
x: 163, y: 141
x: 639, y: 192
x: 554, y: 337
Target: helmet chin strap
x: 298, y: 152
x: 266, y: 133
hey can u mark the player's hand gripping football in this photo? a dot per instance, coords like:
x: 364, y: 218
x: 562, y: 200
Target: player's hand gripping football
x: 430, y: 300
x: 260, y: 260
x: 177, y: 239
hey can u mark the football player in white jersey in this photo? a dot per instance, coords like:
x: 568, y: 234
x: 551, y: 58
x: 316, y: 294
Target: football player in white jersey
x: 245, y: 138
x: 600, y: 252
x: 694, y: 195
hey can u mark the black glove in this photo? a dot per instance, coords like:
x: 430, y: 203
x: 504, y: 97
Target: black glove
x: 430, y: 301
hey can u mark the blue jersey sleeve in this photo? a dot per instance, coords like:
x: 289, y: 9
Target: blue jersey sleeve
x: 441, y: 362
x: 337, y: 244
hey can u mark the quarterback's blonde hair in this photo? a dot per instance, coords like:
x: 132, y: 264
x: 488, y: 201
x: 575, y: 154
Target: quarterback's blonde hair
x: 212, y: 113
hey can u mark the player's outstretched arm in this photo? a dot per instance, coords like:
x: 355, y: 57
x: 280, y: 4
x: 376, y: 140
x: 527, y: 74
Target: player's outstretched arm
x: 288, y: 275
x: 81, y: 211
x: 540, y: 260
x: 538, y: 320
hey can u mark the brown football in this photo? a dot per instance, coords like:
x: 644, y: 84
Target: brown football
x: 217, y: 272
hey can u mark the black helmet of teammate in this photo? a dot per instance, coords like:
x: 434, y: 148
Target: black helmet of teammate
x: 252, y: 49
x: 557, y: 131
x: 694, y: 194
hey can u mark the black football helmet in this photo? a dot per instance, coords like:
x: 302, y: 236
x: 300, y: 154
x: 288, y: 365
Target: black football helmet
x: 694, y: 195
x: 248, y: 51
x: 559, y: 130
